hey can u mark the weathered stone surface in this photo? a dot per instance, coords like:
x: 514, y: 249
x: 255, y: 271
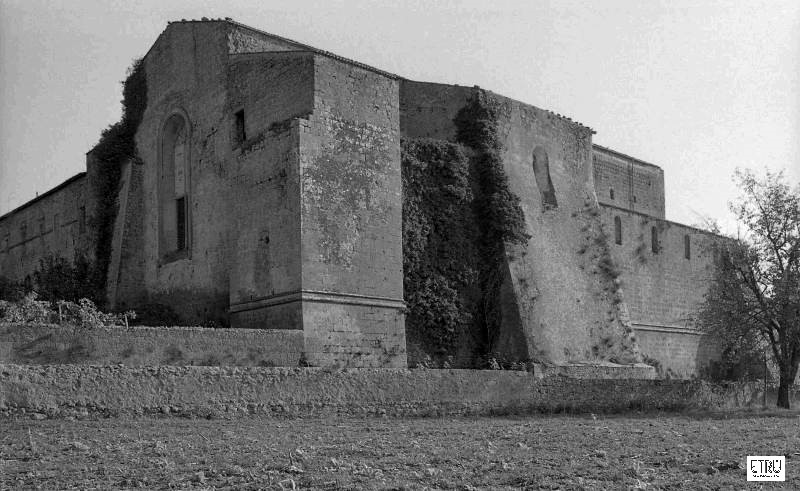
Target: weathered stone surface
x: 293, y: 212
x: 664, y: 288
x: 67, y: 390
x: 138, y: 346
x: 53, y: 223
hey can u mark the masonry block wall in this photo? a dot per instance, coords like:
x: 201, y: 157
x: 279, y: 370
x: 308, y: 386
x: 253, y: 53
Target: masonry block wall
x: 186, y: 79
x: 125, y: 281
x: 664, y: 284
x: 272, y: 90
x: 627, y: 182
x: 57, y: 223
x: 269, y: 196
x: 566, y: 308
x: 351, y: 241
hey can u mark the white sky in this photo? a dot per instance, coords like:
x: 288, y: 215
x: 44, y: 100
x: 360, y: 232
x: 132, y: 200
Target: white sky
x: 698, y: 87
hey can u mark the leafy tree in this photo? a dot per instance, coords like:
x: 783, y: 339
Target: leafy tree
x: 58, y: 279
x: 755, y: 292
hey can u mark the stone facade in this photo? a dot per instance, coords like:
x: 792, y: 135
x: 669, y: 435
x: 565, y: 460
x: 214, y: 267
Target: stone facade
x: 110, y: 390
x: 268, y: 195
x: 56, y: 222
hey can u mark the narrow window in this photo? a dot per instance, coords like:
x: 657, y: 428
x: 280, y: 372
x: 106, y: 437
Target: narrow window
x: 541, y: 172
x: 82, y: 219
x: 654, y: 240
x: 23, y: 231
x: 174, y: 188
x: 241, y: 136
x: 41, y: 226
x: 611, y: 193
x: 634, y: 199
x: 617, y: 230
x: 5, y: 243
x: 687, y: 247
x: 180, y: 213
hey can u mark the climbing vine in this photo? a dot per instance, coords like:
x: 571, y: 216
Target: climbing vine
x: 458, y: 215
x: 498, y: 211
x: 439, y: 253
x: 117, y: 145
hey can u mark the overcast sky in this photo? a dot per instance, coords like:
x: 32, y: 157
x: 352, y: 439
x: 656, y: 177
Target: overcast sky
x: 697, y: 87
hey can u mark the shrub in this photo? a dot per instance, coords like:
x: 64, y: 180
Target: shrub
x: 58, y: 279
x: 27, y: 310
x: 11, y: 290
x: 84, y: 313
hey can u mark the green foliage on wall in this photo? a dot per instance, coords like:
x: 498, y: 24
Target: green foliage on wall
x: 439, y: 250
x: 117, y: 145
x: 499, y: 210
x: 458, y: 215
x: 59, y: 279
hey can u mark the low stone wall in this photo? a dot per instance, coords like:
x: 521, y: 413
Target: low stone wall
x: 142, y: 346
x: 78, y: 390
x: 681, y: 352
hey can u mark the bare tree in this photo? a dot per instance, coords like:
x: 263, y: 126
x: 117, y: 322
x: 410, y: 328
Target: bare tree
x: 755, y: 292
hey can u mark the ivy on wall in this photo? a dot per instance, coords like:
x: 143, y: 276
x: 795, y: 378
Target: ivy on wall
x: 116, y: 146
x: 439, y: 250
x: 458, y: 216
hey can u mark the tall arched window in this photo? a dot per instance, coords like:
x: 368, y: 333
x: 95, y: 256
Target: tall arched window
x: 617, y: 230
x: 174, y: 187
x: 541, y: 171
x: 654, y: 240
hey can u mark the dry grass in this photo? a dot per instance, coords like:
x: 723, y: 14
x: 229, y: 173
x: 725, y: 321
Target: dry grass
x: 539, y: 452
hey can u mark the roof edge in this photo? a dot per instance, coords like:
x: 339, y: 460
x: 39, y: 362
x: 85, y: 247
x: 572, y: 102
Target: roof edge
x: 315, y: 50
x: 625, y: 156
x: 45, y: 194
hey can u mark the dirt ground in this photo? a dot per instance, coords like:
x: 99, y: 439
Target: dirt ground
x: 652, y: 451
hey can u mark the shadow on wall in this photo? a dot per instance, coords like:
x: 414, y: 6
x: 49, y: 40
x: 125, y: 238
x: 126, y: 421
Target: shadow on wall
x: 148, y: 346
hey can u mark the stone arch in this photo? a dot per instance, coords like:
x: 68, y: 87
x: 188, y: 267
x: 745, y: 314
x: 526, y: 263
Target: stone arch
x: 541, y: 171
x: 173, y: 186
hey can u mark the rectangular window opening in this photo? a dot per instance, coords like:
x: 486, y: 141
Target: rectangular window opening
x: 82, y: 219
x: 687, y: 247
x: 180, y: 214
x: 241, y: 135
x: 655, y: 246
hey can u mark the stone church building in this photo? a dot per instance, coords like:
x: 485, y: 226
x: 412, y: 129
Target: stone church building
x: 267, y: 194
